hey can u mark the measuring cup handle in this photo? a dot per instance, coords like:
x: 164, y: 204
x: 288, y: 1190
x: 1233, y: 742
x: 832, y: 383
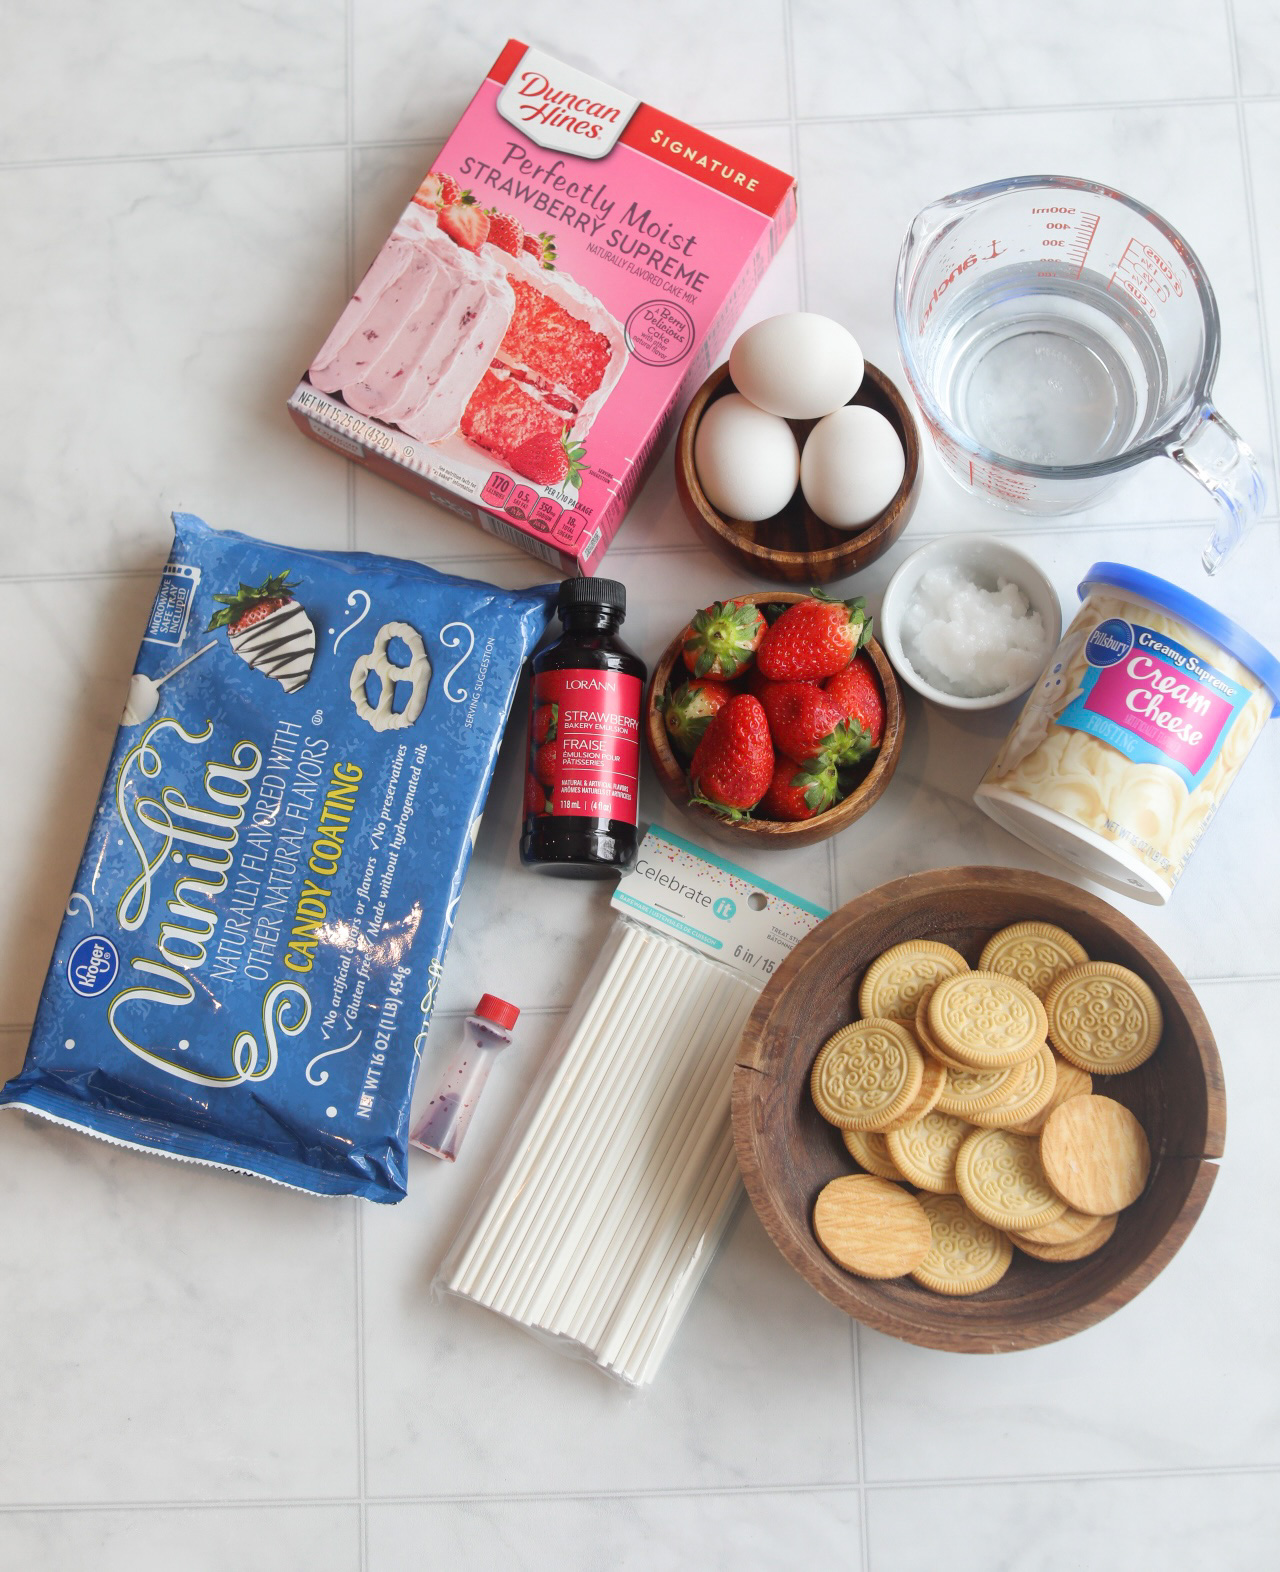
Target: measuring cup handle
x: 1225, y: 466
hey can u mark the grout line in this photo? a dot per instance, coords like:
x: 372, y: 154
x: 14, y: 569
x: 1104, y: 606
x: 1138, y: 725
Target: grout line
x: 860, y: 1443
x: 659, y: 1493
x: 435, y: 136
x: 1005, y: 529
x: 1255, y: 244
x: 362, y: 1429
x: 350, y: 113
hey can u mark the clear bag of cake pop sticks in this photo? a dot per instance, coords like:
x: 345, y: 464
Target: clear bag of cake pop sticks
x: 603, y: 1211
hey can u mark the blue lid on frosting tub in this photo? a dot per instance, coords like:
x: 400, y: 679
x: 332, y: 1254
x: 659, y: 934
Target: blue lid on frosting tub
x: 1214, y: 624
x: 250, y: 954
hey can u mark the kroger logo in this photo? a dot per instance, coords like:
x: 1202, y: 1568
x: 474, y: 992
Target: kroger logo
x: 1109, y: 642
x: 92, y: 966
x: 724, y: 908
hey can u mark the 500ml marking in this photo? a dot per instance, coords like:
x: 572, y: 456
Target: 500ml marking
x: 1070, y: 230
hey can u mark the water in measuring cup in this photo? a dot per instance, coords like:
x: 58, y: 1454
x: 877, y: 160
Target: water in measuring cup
x: 1048, y: 371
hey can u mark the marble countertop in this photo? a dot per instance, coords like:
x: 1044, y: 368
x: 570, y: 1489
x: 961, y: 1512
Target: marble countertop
x: 201, y: 1372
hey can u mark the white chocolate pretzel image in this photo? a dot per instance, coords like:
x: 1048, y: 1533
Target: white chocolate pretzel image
x: 382, y: 716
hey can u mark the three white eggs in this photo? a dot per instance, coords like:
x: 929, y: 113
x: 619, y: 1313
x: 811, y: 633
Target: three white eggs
x: 797, y: 366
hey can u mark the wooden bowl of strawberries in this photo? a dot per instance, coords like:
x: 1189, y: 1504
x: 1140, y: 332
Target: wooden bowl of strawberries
x: 775, y: 718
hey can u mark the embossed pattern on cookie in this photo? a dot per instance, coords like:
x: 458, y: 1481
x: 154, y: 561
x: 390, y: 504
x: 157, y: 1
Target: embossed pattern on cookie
x: 924, y: 1152
x: 866, y: 1075
x: 1027, y: 1098
x: 1103, y: 1018
x: 965, y: 1255
x: 1033, y: 952
x: 868, y: 1150
x: 933, y: 1081
x: 1000, y: 1177
x: 968, y: 1090
x: 1069, y: 1082
x: 894, y: 982
x: 986, y: 1020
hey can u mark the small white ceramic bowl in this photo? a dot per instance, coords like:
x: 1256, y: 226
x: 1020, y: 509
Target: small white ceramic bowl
x: 986, y: 560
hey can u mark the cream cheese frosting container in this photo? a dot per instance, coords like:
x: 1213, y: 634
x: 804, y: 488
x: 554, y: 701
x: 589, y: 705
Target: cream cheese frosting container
x: 1127, y: 745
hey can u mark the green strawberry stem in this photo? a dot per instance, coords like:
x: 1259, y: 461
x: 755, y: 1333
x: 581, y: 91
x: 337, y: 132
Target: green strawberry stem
x: 276, y: 586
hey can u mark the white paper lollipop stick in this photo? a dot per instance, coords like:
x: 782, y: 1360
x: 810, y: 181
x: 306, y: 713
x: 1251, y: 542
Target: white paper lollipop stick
x: 718, y: 1136
x: 649, y: 1221
x: 597, y: 1239
x: 514, y: 1262
x: 631, y: 1063
x: 553, y: 1117
x: 720, y: 1213
x: 629, y: 1132
x: 620, y: 1348
x: 460, y: 1272
x: 628, y: 948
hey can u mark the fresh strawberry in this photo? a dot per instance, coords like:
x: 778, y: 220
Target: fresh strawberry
x: 858, y: 694
x: 805, y: 723
x: 545, y: 760
x: 535, y: 796
x: 722, y: 639
x: 733, y: 764
x: 797, y: 793
x: 438, y: 190
x: 542, y: 248
x: 544, y: 723
x: 548, y: 461
x: 756, y: 682
x: 816, y: 637
x: 505, y: 232
x: 688, y: 711
x: 464, y: 223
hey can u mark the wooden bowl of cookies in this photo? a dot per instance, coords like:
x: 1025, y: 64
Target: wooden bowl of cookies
x: 795, y: 546
x: 866, y: 788
x: 789, y: 1154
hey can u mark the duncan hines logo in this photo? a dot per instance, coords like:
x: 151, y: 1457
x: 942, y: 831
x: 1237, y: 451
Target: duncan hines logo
x: 562, y: 109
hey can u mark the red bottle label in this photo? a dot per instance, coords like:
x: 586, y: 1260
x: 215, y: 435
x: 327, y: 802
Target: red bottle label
x: 584, y: 745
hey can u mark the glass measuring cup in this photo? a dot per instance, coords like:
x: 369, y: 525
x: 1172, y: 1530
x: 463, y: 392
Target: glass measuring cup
x: 1055, y: 333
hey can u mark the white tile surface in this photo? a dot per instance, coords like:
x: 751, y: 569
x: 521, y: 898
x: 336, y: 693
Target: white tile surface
x: 691, y: 60
x: 169, y: 76
x: 638, y: 1534
x: 171, y: 1334
x: 250, y: 1539
x: 857, y: 57
x: 1178, y: 1524
x: 204, y: 1372
x: 154, y: 310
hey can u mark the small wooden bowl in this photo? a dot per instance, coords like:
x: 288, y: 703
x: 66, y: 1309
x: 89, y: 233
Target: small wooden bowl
x: 795, y: 546
x: 672, y: 774
x: 787, y: 1152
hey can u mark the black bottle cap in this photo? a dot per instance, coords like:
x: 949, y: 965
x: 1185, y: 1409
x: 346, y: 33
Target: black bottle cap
x: 608, y: 593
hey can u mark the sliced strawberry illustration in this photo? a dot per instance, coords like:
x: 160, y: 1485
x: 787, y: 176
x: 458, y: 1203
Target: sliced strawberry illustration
x: 438, y: 190
x: 464, y: 223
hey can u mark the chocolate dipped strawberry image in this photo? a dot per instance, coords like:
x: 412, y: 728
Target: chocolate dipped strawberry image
x: 269, y: 630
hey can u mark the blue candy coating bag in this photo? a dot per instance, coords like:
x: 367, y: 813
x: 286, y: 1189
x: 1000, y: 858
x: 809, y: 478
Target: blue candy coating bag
x: 249, y: 957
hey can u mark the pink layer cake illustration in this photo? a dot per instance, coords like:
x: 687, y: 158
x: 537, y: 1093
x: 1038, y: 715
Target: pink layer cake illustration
x: 464, y: 324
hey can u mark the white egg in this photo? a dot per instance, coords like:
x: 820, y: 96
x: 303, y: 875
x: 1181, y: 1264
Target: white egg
x: 799, y: 365
x: 748, y: 461
x: 851, y: 466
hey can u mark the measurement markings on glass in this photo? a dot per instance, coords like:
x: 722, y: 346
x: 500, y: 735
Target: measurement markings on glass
x: 1145, y: 275
x: 1086, y: 229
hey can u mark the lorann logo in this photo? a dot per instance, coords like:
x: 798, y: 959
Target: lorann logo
x: 563, y: 109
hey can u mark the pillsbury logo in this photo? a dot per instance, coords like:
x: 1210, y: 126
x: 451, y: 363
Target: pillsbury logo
x: 1109, y: 642
x: 92, y: 966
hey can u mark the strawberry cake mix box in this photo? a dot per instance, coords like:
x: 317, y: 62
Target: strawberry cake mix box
x: 559, y: 284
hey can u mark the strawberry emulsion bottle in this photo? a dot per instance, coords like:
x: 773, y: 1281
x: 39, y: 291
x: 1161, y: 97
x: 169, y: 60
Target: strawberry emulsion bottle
x: 583, y: 776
